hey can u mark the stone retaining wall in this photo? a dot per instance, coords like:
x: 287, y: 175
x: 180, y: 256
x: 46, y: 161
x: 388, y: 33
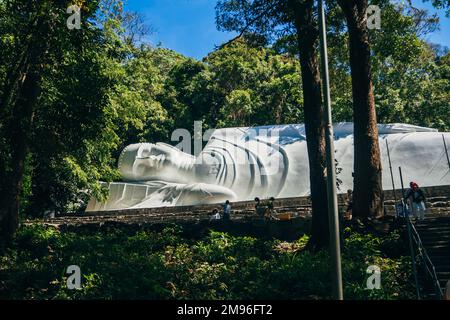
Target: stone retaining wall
x: 300, y: 203
x: 195, y: 220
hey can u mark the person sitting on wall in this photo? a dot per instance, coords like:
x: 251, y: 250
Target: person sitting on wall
x: 226, y: 210
x: 265, y: 209
x: 270, y: 209
x: 215, y: 215
x: 416, y: 199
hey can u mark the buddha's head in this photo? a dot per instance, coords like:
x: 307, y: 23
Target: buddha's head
x: 147, y: 161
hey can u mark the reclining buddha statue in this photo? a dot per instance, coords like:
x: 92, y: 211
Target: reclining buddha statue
x: 240, y: 164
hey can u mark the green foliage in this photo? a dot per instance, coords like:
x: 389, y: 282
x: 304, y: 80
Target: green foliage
x: 408, y: 73
x: 388, y: 253
x: 237, y: 85
x: 118, y: 264
x: 70, y: 137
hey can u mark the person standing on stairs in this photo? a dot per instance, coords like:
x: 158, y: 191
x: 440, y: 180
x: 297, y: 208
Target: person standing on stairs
x: 416, y: 199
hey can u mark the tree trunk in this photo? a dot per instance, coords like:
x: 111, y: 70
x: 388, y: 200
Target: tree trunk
x: 23, y: 97
x: 307, y: 36
x: 368, y: 190
x: 20, y: 128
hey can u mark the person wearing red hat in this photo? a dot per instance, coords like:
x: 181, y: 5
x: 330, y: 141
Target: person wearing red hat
x: 416, y: 199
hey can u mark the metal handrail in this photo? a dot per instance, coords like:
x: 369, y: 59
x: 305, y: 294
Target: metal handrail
x: 429, y: 267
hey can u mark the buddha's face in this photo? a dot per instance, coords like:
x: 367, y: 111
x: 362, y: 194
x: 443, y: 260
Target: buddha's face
x: 147, y: 161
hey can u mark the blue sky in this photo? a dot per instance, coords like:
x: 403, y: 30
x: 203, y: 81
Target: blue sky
x: 188, y: 26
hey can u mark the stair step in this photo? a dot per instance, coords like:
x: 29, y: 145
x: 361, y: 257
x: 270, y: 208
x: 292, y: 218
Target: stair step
x: 444, y: 236
x: 439, y: 259
x: 427, y: 224
x: 442, y: 267
x: 437, y: 251
x: 440, y: 244
x: 430, y: 217
x: 443, y: 275
x: 431, y: 296
x: 433, y: 235
x: 431, y: 224
x: 436, y: 232
x: 444, y: 247
x: 428, y: 238
x: 435, y: 242
x: 421, y: 225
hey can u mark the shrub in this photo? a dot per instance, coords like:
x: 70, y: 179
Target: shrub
x: 151, y: 265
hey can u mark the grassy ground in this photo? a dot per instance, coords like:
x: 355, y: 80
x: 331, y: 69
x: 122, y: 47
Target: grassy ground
x: 116, y: 264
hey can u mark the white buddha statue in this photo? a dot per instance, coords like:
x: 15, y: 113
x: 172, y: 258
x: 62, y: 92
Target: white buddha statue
x: 269, y: 161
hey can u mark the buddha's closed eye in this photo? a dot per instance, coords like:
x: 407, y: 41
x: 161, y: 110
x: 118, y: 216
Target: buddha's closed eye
x: 144, y: 151
x: 157, y: 160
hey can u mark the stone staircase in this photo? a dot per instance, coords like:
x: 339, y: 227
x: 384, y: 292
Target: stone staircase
x: 435, y: 235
